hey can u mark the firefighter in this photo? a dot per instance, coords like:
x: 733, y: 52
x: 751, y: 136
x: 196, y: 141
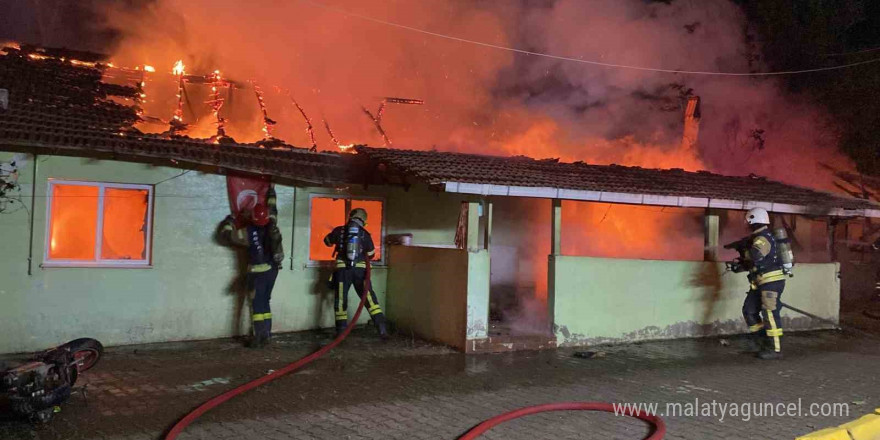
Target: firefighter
x: 767, y: 281
x: 353, y: 246
x: 265, y: 253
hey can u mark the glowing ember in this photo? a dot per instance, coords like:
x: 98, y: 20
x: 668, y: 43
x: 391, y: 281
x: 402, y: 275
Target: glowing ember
x: 377, y: 120
x: 267, y: 122
x: 332, y: 136
x: 81, y: 63
x: 346, y: 148
x: 310, y: 129
x: 150, y: 69
x: 177, y: 120
x: 378, y: 123
x: 404, y: 101
x: 216, y: 103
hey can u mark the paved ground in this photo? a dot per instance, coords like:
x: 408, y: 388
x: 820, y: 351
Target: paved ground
x: 406, y: 389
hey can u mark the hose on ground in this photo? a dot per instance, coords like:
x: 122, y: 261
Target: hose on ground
x: 216, y: 401
x: 657, y: 433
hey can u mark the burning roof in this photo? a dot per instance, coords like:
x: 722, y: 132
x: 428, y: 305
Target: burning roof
x: 550, y: 178
x: 59, y: 104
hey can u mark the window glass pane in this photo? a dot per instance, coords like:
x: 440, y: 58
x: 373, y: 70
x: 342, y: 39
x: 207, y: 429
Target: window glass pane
x: 327, y: 213
x: 124, y: 236
x: 374, y: 222
x: 74, y: 221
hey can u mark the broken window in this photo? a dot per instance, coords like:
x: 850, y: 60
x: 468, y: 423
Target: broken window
x: 328, y: 212
x: 98, y: 224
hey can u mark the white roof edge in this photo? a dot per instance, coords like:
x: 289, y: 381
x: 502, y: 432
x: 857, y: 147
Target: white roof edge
x: 642, y: 199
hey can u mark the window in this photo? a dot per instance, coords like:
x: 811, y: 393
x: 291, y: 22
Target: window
x: 98, y: 224
x: 328, y: 212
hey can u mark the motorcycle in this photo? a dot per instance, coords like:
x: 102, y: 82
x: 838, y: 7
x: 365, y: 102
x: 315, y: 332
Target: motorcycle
x: 35, y: 389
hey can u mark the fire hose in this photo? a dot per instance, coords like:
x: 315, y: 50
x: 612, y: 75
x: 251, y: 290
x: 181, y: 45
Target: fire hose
x: 657, y: 433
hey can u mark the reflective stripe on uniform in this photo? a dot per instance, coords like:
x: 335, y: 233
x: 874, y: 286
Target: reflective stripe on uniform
x: 756, y: 327
x: 372, y: 307
x: 341, y: 264
x: 262, y: 316
x: 259, y: 268
x: 341, y: 314
x: 769, y: 277
x: 774, y: 331
x: 762, y: 245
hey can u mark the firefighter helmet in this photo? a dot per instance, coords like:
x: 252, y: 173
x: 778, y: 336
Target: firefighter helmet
x: 757, y: 216
x: 359, y: 214
x: 260, y: 215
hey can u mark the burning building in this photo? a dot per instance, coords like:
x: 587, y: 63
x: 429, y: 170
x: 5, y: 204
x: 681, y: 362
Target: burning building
x: 110, y: 227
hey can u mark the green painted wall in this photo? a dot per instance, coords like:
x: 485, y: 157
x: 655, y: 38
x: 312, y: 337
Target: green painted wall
x: 189, y: 293
x: 428, y: 292
x: 612, y: 300
x: 478, y: 277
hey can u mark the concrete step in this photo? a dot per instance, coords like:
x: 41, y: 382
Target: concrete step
x: 506, y: 343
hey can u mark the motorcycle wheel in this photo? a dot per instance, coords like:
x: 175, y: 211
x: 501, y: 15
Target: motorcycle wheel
x: 86, y: 352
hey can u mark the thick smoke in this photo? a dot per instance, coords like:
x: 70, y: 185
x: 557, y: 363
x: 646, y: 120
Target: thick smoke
x: 492, y: 101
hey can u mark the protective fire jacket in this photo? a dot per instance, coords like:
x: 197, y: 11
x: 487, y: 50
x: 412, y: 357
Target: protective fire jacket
x: 265, y: 249
x: 766, y: 267
x: 338, y: 238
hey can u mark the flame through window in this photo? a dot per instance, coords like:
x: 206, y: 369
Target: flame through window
x: 328, y: 212
x: 98, y: 223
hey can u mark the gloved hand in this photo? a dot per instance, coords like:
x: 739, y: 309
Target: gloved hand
x: 278, y: 257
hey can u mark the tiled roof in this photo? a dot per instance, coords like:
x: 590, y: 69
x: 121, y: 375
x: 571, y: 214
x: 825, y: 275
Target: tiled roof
x: 56, y: 107
x: 436, y: 167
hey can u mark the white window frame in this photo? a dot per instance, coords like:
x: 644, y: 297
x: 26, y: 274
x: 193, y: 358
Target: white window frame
x: 348, y: 199
x: 98, y: 262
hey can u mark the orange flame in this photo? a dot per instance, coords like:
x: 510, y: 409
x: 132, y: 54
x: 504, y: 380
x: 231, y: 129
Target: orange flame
x: 178, y: 68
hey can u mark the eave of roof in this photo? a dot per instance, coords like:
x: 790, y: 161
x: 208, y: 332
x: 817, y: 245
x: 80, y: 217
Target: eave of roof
x: 526, y: 177
x: 649, y: 199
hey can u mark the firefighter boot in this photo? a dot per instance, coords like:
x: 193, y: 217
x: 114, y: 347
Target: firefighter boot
x: 756, y: 342
x: 267, y: 331
x: 258, y: 341
x: 340, y: 326
x: 772, y: 349
x: 770, y: 355
x: 381, y: 325
x: 259, y: 338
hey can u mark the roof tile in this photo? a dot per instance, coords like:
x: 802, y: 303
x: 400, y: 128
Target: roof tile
x: 440, y: 167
